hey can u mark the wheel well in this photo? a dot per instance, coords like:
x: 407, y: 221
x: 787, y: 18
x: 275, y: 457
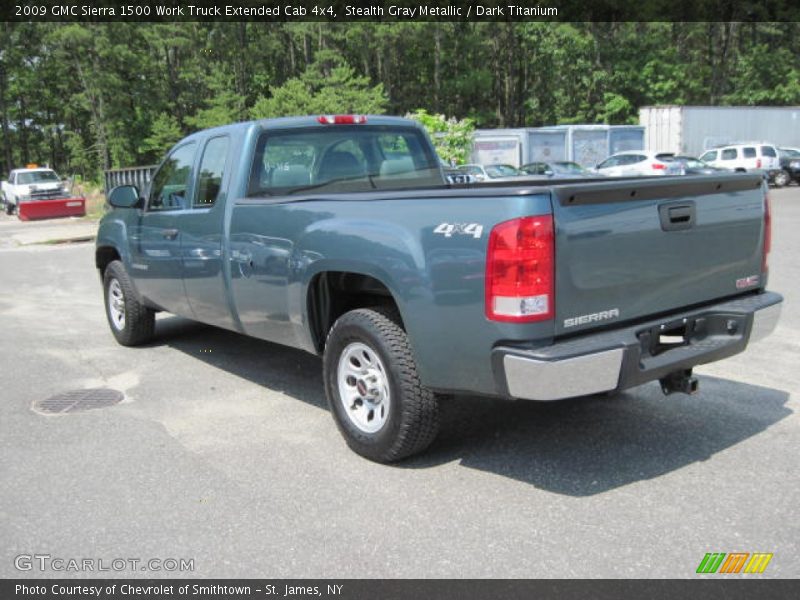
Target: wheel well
x: 333, y: 293
x: 103, y: 256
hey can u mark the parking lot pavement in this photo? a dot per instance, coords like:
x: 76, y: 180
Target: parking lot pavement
x: 223, y: 452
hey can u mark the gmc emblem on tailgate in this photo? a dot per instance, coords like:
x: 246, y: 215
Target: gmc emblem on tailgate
x: 747, y: 282
x: 603, y: 315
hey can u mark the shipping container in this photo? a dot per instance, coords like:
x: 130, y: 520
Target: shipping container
x: 692, y: 130
x: 586, y: 145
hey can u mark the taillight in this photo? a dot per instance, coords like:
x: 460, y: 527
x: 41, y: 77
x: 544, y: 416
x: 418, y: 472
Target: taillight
x: 659, y: 166
x: 519, y: 270
x: 767, y: 235
x: 342, y: 119
x: 758, y: 163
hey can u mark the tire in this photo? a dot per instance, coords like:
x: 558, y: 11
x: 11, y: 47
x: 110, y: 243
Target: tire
x: 782, y: 178
x: 9, y: 207
x: 368, y: 347
x: 138, y: 322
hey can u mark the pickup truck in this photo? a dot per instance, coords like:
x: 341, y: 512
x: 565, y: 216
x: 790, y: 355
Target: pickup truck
x: 339, y: 235
x: 30, y: 184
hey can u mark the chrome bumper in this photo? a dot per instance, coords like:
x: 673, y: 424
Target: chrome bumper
x: 623, y: 358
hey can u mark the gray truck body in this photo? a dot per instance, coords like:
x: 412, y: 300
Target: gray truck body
x: 632, y: 258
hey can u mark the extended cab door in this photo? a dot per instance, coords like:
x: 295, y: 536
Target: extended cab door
x: 201, y: 235
x: 156, y: 260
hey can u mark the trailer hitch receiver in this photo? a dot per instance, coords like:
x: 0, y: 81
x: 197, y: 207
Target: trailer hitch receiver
x: 679, y: 381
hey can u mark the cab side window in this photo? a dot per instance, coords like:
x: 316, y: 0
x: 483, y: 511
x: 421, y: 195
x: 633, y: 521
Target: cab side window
x: 168, y: 190
x: 729, y: 154
x: 212, y: 169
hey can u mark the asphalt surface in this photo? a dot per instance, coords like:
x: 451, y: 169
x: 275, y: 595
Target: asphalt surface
x: 223, y: 452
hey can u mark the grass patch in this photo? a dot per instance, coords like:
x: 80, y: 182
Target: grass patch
x: 95, y: 199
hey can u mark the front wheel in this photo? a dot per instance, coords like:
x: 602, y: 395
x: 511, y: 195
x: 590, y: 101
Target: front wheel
x: 131, y: 322
x: 782, y: 178
x: 373, y: 388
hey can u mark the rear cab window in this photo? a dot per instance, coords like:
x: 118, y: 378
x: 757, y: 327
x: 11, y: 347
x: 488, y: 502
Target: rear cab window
x: 749, y: 152
x: 342, y: 158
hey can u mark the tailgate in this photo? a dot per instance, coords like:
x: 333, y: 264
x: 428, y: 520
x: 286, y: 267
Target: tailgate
x: 630, y: 249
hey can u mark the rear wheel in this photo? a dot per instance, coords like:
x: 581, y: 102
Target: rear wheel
x: 130, y: 321
x: 373, y: 388
x: 782, y: 178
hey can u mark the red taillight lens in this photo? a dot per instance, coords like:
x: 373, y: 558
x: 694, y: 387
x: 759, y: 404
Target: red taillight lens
x: 519, y: 270
x: 767, y: 235
x: 342, y: 119
x: 659, y: 166
x: 758, y: 163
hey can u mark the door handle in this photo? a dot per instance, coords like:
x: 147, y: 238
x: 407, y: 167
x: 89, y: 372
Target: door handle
x: 170, y: 234
x: 675, y: 217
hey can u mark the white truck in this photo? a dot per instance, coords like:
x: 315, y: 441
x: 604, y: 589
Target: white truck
x: 37, y: 183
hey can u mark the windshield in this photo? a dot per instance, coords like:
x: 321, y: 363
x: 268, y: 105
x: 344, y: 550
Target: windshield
x: 342, y: 158
x: 502, y: 171
x: 692, y: 163
x: 36, y: 177
x: 568, y: 168
x: 471, y: 169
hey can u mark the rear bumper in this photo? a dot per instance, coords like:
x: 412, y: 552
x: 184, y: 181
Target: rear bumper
x: 622, y: 358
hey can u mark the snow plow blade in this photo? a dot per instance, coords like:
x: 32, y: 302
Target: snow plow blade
x: 49, y: 209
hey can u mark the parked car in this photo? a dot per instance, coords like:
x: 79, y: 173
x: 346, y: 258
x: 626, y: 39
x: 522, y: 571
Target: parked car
x: 456, y: 177
x: 694, y: 166
x: 639, y: 162
x: 790, y: 166
x: 558, y: 169
x: 338, y: 235
x: 453, y: 175
x: 490, y: 172
x: 748, y: 156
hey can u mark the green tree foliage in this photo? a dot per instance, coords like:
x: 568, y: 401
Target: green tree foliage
x: 328, y: 86
x: 164, y: 133
x: 87, y: 96
x: 451, y: 137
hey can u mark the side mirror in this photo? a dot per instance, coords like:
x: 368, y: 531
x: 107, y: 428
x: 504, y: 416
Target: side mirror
x: 124, y: 196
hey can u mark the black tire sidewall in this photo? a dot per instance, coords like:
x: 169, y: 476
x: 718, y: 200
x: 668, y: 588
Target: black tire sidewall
x: 373, y: 445
x: 114, y: 271
x: 139, y: 320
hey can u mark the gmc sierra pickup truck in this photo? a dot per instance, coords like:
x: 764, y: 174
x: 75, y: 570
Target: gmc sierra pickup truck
x: 340, y: 235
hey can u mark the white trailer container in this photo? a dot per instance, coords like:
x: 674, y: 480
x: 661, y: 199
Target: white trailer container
x: 586, y: 145
x: 694, y: 129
